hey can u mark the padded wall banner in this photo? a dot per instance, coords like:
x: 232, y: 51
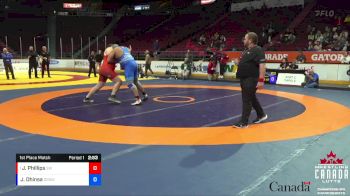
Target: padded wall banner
x: 311, y: 57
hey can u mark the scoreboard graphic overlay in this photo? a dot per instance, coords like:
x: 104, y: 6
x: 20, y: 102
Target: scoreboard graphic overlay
x: 58, y: 170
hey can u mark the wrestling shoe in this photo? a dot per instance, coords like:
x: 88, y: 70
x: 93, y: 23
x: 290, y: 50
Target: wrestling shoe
x: 260, y: 120
x: 145, y: 97
x: 240, y: 125
x: 137, y: 102
x: 88, y: 100
x: 114, y: 99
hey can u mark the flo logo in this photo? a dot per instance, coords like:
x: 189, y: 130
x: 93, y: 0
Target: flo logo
x: 331, y: 169
x: 302, y: 187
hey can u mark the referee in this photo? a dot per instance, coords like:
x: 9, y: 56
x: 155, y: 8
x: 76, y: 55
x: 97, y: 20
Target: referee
x: 99, y: 58
x: 148, y: 62
x: 251, y: 72
x: 92, y: 63
x: 45, y: 61
x: 33, y: 63
x: 7, y: 58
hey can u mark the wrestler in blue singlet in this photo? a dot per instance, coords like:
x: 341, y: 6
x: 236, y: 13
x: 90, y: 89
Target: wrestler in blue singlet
x: 129, y: 64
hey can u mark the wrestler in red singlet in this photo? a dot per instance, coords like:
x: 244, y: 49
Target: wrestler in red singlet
x: 107, y: 70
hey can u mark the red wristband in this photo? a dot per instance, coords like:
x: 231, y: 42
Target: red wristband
x: 261, y: 79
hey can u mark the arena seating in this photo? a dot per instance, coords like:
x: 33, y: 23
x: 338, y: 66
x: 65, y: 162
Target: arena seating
x: 176, y: 32
x: 17, y: 25
x: 320, y: 23
x: 234, y: 25
x: 130, y: 26
x: 167, y: 33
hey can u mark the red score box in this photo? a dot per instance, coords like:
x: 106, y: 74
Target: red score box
x: 95, y: 168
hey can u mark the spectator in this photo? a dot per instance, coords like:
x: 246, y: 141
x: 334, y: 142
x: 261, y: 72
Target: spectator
x: 288, y: 36
x: 284, y: 64
x: 140, y: 70
x: 209, y: 51
x: 216, y: 36
x: 327, y: 37
x: 341, y: 42
x: 319, y: 36
x: 347, y: 19
x: 311, y: 36
x: 292, y: 36
x: 215, y: 42
x: 212, y: 40
x: 335, y: 34
x: 202, y: 40
x: 339, y: 28
x: 338, y: 21
x: 346, y: 46
x: 271, y: 46
x: 346, y: 58
x: 7, y: 59
x: 148, y: 63
x: 212, y: 69
x: 189, y: 56
x: 310, y: 46
x: 344, y: 41
x: 264, y: 37
x: 293, y: 65
x: 222, y: 42
x: 92, y: 63
x: 199, y: 65
x: 223, y: 63
x: 313, y: 30
x: 186, y: 68
x: 327, y: 29
x: 301, y: 57
x: 285, y: 36
x: 312, y: 79
x: 33, y: 62
x: 334, y: 29
x: 270, y: 32
x: 318, y: 46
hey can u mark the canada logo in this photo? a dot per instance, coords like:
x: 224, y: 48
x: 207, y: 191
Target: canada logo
x: 331, y: 159
x: 331, y: 169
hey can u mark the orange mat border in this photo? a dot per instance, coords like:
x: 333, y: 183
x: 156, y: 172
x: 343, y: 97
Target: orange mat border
x: 321, y: 116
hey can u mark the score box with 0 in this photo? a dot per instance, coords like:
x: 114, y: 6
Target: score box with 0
x: 58, y: 170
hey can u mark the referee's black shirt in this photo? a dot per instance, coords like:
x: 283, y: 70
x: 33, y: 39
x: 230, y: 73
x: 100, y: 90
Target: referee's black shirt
x: 248, y: 65
x: 32, y: 56
x: 99, y: 58
x: 47, y: 55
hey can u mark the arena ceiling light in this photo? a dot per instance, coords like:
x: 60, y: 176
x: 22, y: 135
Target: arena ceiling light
x: 141, y: 7
x: 205, y: 2
x: 72, y: 5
